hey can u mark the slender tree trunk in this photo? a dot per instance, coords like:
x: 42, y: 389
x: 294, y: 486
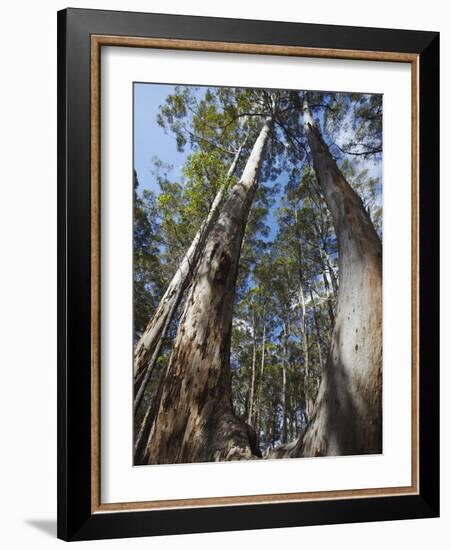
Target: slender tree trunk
x: 304, y: 328
x: 327, y: 288
x: 252, y: 381
x: 195, y: 421
x: 330, y: 269
x: 326, y: 262
x: 318, y: 334
x: 284, y: 435
x: 306, y: 354
x: 148, y: 347
x: 260, y: 384
x: 347, y: 416
x: 296, y: 420
x: 327, y: 272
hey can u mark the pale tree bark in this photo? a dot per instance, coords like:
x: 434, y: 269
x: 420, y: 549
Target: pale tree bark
x: 260, y: 384
x: 285, y: 360
x: 195, y: 421
x: 149, y: 345
x: 306, y: 353
x: 294, y: 421
x: 250, y: 407
x: 284, y: 436
x: 330, y: 269
x: 327, y: 274
x: 304, y: 327
x: 330, y: 309
x: 347, y: 416
x: 318, y: 333
x: 325, y: 257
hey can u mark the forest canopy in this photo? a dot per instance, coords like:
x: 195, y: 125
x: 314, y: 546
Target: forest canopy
x: 257, y: 226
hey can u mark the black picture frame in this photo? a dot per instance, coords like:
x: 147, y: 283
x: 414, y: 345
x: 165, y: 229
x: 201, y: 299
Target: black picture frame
x: 76, y: 521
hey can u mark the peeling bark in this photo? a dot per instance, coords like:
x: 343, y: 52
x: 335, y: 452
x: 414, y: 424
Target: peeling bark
x: 148, y: 347
x: 195, y: 421
x: 347, y: 416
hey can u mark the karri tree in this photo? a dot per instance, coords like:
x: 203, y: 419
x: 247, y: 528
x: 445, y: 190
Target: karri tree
x: 266, y: 336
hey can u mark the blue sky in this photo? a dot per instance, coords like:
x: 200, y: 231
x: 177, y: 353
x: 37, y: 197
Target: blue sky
x: 150, y: 141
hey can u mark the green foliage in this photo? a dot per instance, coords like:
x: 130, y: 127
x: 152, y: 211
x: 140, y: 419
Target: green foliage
x: 148, y: 280
x: 368, y: 188
x: 287, y: 281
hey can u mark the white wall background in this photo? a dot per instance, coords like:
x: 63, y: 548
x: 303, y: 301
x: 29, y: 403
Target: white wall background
x: 28, y: 275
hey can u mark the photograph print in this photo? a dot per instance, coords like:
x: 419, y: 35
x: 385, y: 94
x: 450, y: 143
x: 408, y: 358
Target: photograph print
x: 257, y: 274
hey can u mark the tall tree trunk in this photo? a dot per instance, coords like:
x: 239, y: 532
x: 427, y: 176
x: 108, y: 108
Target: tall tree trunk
x: 326, y: 262
x: 260, y: 384
x: 304, y: 328
x: 252, y: 381
x: 328, y: 272
x: 195, y: 421
x: 325, y: 272
x: 347, y: 417
x: 330, y: 269
x: 305, y: 352
x: 318, y: 334
x: 330, y: 309
x: 148, y: 347
x: 284, y: 435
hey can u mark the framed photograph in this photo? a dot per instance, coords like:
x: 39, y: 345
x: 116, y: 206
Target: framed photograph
x: 248, y: 274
